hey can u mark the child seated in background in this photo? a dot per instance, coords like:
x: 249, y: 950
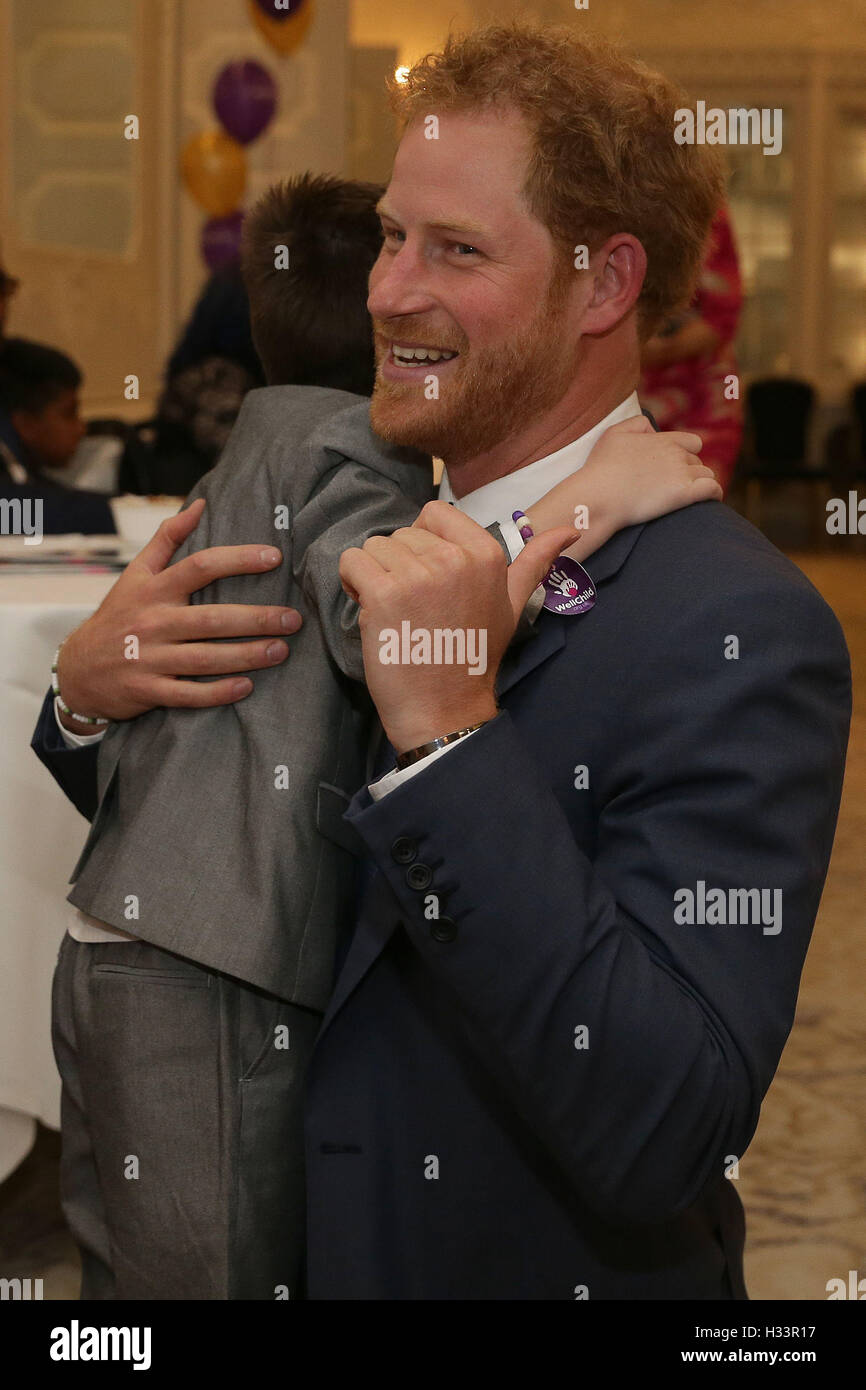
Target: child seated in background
x: 179, y: 878
x: 40, y: 427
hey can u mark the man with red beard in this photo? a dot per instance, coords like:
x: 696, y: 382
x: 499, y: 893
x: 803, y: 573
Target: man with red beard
x: 533, y: 1073
x: 535, y: 1066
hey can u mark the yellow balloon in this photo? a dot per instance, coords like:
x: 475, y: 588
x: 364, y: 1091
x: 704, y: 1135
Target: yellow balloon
x: 283, y: 34
x: 215, y: 171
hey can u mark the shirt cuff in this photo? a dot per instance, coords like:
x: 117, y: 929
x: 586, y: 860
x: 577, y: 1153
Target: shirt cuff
x: 386, y: 784
x: 75, y: 740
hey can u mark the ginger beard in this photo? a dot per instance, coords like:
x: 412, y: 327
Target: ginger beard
x: 489, y: 393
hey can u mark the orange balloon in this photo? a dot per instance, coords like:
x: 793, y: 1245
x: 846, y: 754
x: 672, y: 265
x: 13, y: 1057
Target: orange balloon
x: 215, y: 171
x: 283, y: 34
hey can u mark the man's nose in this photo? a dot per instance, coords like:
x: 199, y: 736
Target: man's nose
x: 398, y: 286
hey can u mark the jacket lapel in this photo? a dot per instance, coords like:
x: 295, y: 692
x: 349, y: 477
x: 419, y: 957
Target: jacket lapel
x: 548, y: 634
x: 546, y: 637
x: 606, y: 563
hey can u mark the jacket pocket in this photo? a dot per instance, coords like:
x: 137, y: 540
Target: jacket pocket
x: 143, y: 975
x: 331, y: 803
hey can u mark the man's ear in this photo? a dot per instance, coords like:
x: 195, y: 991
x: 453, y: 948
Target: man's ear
x: 618, y: 269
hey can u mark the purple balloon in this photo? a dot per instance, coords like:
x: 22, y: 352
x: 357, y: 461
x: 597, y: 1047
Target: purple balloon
x: 221, y: 240
x: 286, y: 9
x: 245, y: 99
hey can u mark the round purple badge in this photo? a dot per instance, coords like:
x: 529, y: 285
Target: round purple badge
x: 568, y: 588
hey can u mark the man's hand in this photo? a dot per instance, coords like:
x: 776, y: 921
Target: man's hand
x: 445, y: 573
x: 151, y: 601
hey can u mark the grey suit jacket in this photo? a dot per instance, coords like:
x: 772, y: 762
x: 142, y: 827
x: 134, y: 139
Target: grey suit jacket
x: 219, y: 833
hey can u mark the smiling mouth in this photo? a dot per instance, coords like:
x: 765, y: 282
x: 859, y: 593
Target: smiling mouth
x: 403, y: 355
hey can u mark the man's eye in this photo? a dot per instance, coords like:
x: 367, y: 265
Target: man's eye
x: 392, y: 234
x: 464, y: 248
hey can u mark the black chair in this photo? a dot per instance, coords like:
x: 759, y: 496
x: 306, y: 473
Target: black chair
x: 134, y: 472
x: 845, y: 446
x: 153, y: 461
x: 778, y: 417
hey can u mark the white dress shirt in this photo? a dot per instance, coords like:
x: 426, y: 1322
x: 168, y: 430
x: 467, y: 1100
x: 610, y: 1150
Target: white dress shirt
x: 494, y: 501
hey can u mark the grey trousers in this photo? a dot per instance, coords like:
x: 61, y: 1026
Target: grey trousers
x: 182, y: 1165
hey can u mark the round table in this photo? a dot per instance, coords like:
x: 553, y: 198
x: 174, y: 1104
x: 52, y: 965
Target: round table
x: 41, y: 840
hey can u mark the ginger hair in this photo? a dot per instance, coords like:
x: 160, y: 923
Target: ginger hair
x: 603, y: 159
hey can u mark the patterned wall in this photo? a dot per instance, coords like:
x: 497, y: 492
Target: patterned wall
x: 82, y: 208
x: 76, y: 78
x: 310, y: 131
x: 98, y: 228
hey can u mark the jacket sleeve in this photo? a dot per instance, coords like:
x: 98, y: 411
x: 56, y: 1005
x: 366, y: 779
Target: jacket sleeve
x: 73, y: 769
x: 354, y: 504
x: 637, y: 1045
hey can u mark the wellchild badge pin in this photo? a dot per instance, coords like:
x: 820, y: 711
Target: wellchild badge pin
x: 568, y: 589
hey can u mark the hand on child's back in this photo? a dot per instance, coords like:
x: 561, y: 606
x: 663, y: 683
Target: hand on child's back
x: 176, y: 639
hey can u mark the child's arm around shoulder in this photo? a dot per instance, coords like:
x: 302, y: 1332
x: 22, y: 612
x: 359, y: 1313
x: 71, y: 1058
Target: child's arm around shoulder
x: 633, y: 474
x: 355, y: 503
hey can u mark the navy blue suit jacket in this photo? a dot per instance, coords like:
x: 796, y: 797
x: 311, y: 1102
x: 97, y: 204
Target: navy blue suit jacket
x: 532, y: 1078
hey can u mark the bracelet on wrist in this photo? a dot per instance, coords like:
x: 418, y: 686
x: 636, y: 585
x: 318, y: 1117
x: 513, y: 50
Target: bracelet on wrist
x: 414, y: 755
x: 70, y: 714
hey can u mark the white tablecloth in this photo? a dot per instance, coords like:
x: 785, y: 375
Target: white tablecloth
x: 41, y: 838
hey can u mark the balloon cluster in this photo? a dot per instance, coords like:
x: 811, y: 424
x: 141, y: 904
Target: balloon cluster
x: 213, y: 164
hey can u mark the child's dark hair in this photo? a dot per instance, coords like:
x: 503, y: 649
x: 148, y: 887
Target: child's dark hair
x: 309, y: 321
x: 33, y: 375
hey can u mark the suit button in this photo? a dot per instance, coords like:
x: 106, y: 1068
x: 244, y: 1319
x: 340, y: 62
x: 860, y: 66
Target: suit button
x: 404, y: 850
x: 445, y: 929
x: 419, y: 876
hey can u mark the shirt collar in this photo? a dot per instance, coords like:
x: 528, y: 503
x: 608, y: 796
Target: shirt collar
x: 517, y: 491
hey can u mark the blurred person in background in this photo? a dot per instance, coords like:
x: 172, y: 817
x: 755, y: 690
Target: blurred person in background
x: 8, y: 289
x: 208, y: 375
x: 41, y: 428
x: 686, y: 364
